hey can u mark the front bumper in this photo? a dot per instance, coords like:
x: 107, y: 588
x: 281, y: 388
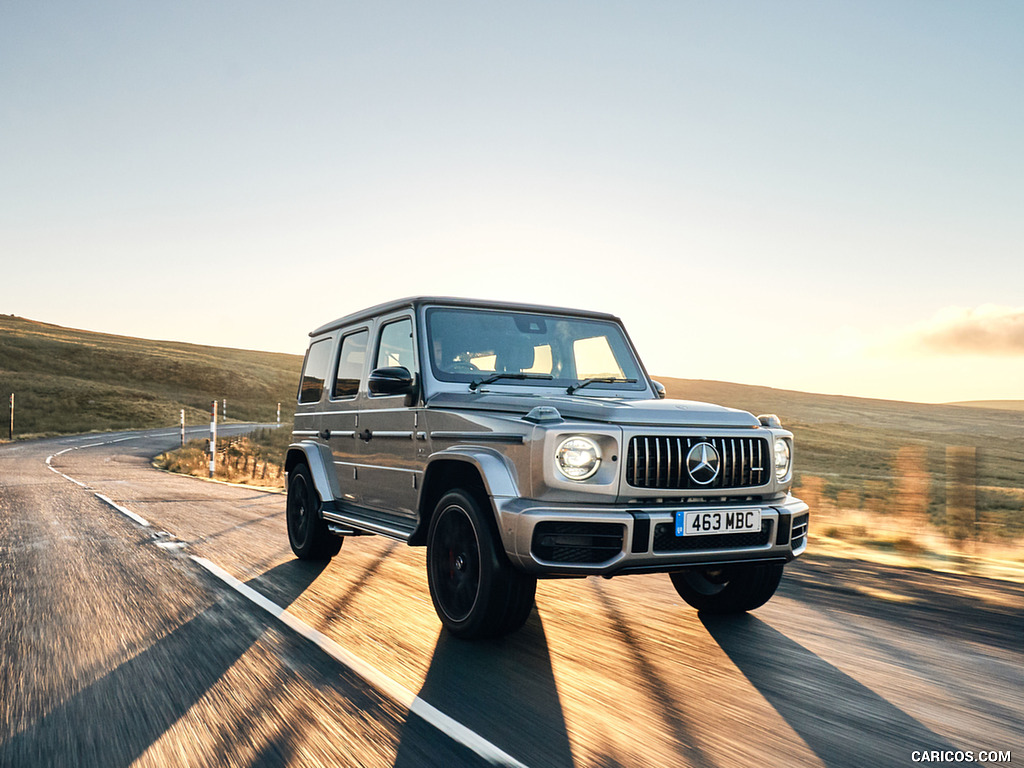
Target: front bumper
x: 608, y: 540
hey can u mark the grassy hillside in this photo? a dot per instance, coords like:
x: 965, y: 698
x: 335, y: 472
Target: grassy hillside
x: 69, y: 381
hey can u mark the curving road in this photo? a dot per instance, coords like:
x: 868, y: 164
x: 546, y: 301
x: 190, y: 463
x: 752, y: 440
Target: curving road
x: 120, y: 647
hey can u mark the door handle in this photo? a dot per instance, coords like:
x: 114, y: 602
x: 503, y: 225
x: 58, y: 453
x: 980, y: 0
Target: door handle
x: 366, y: 435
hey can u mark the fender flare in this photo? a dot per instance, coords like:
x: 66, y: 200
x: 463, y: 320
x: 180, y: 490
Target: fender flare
x: 321, y: 464
x: 496, y: 474
x: 499, y: 477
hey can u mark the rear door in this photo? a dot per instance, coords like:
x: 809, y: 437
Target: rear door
x: 341, y: 412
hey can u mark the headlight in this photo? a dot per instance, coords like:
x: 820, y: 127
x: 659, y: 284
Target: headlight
x: 578, y: 457
x: 782, y: 458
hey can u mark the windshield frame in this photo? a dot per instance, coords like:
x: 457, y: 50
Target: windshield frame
x: 619, y: 343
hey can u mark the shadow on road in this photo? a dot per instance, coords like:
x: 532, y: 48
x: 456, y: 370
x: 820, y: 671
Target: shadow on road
x: 502, y: 689
x: 114, y: 720
x: 851, y: 728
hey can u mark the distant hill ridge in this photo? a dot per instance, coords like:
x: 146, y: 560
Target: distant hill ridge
x: 1003, y: 405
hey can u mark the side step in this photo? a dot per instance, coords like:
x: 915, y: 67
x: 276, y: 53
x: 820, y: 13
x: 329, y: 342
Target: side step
x: 349, y: 520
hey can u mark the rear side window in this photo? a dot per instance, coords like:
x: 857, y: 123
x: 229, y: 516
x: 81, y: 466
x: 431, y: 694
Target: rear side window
x: 351, y: 360
x: 314, y: 371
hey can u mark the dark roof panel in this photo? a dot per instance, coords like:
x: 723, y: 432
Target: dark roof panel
x: 417, y: 301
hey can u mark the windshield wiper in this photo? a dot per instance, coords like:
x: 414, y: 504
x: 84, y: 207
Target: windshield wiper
x: 477, y: 384
x: 598, y: 380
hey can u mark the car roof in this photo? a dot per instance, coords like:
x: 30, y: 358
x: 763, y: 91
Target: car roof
x: 416, y: 302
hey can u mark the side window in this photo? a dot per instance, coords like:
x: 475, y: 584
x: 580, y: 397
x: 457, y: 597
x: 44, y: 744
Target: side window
x: 395, y: 346
x: 351, y: 360
x: 314, y: 371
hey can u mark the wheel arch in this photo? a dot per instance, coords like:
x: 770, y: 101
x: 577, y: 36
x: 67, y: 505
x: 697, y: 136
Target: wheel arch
x: 311, y: 454
x: 480, y: 471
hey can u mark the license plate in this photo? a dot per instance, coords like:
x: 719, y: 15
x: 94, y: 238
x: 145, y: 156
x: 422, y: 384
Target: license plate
x: 695, y: 523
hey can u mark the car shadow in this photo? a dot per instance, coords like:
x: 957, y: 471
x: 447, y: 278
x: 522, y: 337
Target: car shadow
x: 114, y: 720
x: 502, y: 689
x: 850, y: 726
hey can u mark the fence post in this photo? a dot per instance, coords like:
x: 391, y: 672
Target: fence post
x: 213, y: 439
x: 183, y: 426
x: 10, y: 434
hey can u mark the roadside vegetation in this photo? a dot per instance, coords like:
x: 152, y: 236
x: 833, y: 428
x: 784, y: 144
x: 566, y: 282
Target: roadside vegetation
x: 254, y: 459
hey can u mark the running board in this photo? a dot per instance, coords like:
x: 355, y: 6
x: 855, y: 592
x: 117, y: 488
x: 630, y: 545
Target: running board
x: 351, y: 521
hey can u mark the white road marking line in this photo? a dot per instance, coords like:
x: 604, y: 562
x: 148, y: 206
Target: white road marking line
x: 140, y: 520
x: 172, y: 545
x: 393, y: 690
x: 57, y: 471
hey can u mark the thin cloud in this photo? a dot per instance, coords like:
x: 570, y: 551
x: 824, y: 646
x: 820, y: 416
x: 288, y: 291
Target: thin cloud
x: 984, y: 330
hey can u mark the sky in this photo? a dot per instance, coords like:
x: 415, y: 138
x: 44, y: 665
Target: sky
x: 818, y: 196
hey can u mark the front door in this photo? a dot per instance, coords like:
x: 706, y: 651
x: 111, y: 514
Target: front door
x: 392, y: 455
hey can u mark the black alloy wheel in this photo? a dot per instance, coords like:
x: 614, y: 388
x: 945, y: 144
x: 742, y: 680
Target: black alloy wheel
x: 307, y: 532
x: 476, y: 591
x: 455, y: 563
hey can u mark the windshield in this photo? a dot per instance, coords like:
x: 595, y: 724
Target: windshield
x: 471, y: 345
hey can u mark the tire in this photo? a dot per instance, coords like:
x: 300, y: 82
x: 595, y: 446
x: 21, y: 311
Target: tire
x: 476, y: 591
x: 307, y: 531
x: 728, y: 589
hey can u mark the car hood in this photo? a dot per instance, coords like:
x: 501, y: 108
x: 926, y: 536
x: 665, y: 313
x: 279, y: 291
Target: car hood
x: 662, y: 413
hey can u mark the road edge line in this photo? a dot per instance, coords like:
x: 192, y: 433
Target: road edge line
x: 127, y: 512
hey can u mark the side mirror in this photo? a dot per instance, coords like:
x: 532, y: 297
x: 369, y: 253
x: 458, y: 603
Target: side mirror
x: 659, y: 388
x: 391, y: 381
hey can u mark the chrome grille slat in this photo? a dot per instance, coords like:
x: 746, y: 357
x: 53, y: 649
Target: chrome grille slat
x: 732, y: 463
x: 631, y: 462
x: 647, y: 461
x: 655, y: 461
x: 682, y: 457
x: 744, y: 467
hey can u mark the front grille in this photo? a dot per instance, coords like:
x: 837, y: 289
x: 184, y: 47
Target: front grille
x: 583, y: 543
x: 665, y: 539
x: 660, y: 462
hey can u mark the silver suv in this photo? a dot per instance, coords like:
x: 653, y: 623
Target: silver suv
x: 519, y: 442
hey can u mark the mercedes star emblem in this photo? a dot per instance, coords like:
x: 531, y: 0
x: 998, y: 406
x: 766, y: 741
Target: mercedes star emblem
x: 703, y: 463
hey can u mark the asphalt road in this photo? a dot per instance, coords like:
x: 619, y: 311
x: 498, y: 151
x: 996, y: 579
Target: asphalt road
x: 119, y: 648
